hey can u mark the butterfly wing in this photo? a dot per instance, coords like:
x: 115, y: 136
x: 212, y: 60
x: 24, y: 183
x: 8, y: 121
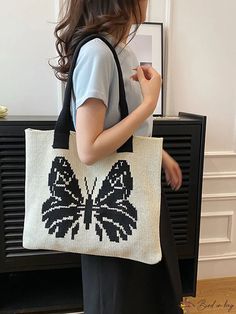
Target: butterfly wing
x: 62, y: 210
x: 116, y: 215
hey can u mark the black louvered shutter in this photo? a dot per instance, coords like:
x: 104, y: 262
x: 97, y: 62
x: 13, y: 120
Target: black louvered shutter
x: 178, y: 203
x: 12, y: 192
x: 12, y: 200
x: 182, y: 142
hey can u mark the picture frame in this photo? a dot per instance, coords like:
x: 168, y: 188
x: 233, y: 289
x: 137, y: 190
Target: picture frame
x: 148, y: 47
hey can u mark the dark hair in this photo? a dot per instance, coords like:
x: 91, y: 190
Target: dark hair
x: 84, y: 17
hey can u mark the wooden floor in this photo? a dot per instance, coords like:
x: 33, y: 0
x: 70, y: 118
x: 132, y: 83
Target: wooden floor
x: 213, y: 296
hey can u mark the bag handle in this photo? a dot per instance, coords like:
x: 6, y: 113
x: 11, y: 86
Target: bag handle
x: 65, y: 123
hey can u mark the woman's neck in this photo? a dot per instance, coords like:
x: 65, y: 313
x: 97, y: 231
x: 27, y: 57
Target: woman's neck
x: 125, y: 38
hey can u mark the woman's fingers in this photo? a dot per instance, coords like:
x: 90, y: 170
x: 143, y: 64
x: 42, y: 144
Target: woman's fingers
x: 140, y: 74
x: 179, y: 173
x: 174, y: 177
x: 172, y: 170
x: 177, y: 178
x: 148, y: 72
x: 168, y: 177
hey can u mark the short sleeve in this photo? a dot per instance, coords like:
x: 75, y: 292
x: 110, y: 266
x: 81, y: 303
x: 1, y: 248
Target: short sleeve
x: 93, y: 73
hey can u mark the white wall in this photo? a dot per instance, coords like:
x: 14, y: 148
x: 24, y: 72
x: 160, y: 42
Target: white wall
x: 201, y: 79
x: 27, y: 83
x: 203, y: 66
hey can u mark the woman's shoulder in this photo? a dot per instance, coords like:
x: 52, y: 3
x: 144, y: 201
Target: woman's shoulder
x: 98, y: 49
x: 95, y: 56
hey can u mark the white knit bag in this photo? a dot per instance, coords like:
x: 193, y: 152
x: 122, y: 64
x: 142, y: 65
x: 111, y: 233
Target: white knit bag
x: 110, y: 208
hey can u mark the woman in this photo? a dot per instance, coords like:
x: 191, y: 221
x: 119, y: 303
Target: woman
x: 114, y: 285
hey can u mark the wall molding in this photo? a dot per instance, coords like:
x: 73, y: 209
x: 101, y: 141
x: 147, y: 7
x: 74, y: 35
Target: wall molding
x: 216, y: 214
x: 218, y: 197
x: 219, y: 175
x: 229, y: 231
x: 219, y: 164
x: 207, y: 258
x: 148, y: 15
x: 167, y: 58
x: 220, y: 154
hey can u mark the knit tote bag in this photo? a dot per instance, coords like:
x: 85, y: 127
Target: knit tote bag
x: 110, y: 208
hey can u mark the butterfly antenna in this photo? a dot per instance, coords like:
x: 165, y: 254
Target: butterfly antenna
x: 95, y: 182
x: 86, y: 185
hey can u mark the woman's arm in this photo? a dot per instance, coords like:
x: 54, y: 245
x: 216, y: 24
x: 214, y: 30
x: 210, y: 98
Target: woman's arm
x: 93, y: 142
x: 172, y: 170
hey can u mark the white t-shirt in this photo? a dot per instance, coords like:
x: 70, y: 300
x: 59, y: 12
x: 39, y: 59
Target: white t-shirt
x: 96, y: 76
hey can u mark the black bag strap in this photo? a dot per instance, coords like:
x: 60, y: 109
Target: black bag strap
x: 65, y: 123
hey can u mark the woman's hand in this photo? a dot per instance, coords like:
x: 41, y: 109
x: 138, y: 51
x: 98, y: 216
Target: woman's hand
x: 150, y: 82
x: 172, y: 171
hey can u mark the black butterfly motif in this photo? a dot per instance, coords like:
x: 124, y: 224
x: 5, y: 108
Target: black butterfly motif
x: 111, y: 208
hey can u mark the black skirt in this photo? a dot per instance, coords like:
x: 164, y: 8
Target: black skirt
x: 120, y: 286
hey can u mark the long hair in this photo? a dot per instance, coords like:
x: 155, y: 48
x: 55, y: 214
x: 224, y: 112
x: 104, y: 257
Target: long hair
x: 84, y: 17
